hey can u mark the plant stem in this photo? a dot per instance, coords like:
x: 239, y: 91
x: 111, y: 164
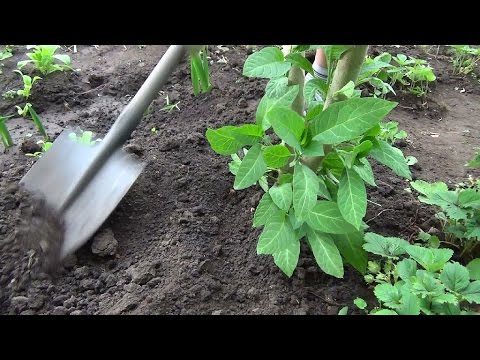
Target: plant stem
x: 347, y: 70
x: 296, y: 76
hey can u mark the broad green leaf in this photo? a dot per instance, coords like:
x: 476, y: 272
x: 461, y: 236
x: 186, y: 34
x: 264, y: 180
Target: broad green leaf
x: 277, y: 94
x: 294, y: 220
x: 472, y: 292
x: 300, y: 61
x: 326, y: 253
x: 388, y: 294
x: 343, y: 311
x: 469, y: 198
x: 287, y: 124
x: 409, y: 304
x: 426, y: 286
x: 285, y: 178
x: 223, y: 141
x: 326, y: 217
x: 391, y: 157
x: 263, y: 183
x: 276, y: 231
x: 345, y: 120
x: 359, y: 151
x: 384, y: 312
x: 431, y: 259
x: 310, y: 90
x: 264, y: 211
x: 474, y: 269
x: 248, y: 134
x: 276, y: 156
x: 455, y: 276
x: 352, y: 197
x: 406, y: 269
x: 445, y: 298
x: 350, y: 247
x: 267, y: 63
x: 251, y: 169
x: 364, y: 169
x: 390, y: 247
x: 314, y: 148
x: 282, y: 195
x: 286, y: 257
x: 360, y: 303
x: 347, y: 90
x: 426, y: 188
x: 446, y: 309
x: 322, y: 189
x: 305, y: 190
x: 313, y: 112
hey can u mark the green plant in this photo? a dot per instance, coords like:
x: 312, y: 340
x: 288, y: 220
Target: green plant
x: 199, y: 70
x: 4, y: 133
x: 84, y: 138
x: 27, y: 84
x: 389, y: 132
x: 45, y: 145
x: 45, y: 60
x: 460, y: 212
x: 374, y: 73
x: 5, y: 54
x: 313, y: 168
x: 424, y: 279
x: 464, y: 59
x: 169, y: 107
x: 28, y: 109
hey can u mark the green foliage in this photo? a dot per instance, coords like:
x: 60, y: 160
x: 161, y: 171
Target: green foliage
x: 45, y: 60
x: 390, y: 133
x: 83, y: 137
x: 5, y: 54
x: 459, y: 211
x: 464, y: 58
x: 27, y: 84
x: 4, y: 133
x: 321, y: 204
x: 199, y: 71
x: 28, y: 110
x: 45, y: 145
x: 419, y: 280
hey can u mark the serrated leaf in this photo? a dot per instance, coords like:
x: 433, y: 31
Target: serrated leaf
x: 445, y: 298
x: 352, y: 197
x: 364, y: 170
x: 345, y: 120
x: 409, y: 304
x: 267, y: 63
x: 282, y: 195
x: 455, y: 276
x: 325, y: 252
x: 391, y: 157
x: 326, y: 217
x: 384, y: 312
x: 360, y: 303
x: 472, y: 292
x: 407, y: 268
x: 390, y: 247
x: 430, y: 259
x: 350, y: 247
x: 276, y: 156
x: 388, y: 294
x: 426, y: 286
x: 251, y: 169
x: 300, y: 61
x: 287, y: 124
x: 446, y: 309
x: 305, y: 189
x: 474, y: 269
x: 264, y: 211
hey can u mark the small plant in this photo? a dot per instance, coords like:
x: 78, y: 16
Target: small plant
x: 169, y: 107
x: 4, y: 133
x: 154, y: 131
x: 5, y: 54
x: 199, y: 70
x: 28, y: 109
x: 313, y: 167
x: 85, y: 138
x: 27, y: 84
x: 389, y: 132
x: 465, y: 58
x: 45, y: 145
x: 45, y: 60
x: 422, y: 280
x: 460, y: 212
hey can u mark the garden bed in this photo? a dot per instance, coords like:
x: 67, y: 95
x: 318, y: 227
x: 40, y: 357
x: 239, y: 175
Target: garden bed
x: 185, y: 241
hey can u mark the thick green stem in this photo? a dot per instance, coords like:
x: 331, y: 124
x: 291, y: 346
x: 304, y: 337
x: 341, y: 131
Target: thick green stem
x: 297, y: 77
x: 347, y: 70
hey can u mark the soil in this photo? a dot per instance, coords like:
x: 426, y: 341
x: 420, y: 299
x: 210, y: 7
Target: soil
x: 181, y: 240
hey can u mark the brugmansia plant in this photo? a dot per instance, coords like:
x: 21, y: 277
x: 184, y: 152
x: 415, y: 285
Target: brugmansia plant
x: 312, y: 165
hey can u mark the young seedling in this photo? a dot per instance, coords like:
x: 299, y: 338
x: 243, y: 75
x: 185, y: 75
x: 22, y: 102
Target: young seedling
x: 199, y: 70
x: 4, y: 133
x: 314, y: 175
x: 45, y: 145
x: 85, y: 138
x: 389, y: 132
x: 465, y: 58
x: 45, y: 60
x: 169, y: 107
x: 27, y: 84
x: 28, y: 109
x: 5, y: 54
x: 154, y: 131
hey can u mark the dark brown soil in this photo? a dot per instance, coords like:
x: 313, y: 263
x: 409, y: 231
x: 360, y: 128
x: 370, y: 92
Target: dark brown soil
x: 185, y: 241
